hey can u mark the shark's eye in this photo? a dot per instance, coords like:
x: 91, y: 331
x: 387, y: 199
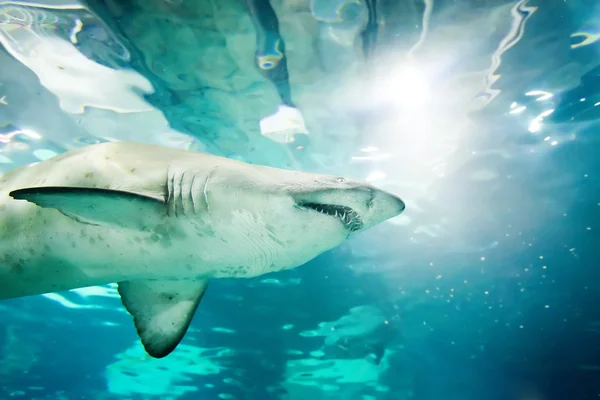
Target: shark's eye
x: 340, y: 179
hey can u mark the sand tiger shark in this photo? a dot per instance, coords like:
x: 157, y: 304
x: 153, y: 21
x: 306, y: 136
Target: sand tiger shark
x: 163, y: 222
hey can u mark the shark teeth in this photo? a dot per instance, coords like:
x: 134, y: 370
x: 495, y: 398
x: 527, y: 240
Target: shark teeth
x: 347, y: 216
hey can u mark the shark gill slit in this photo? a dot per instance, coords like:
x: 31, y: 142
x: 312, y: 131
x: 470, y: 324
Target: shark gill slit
x: 174, y: 195
x: 181, y: 201
x: 205, y: 190
x: 169, y: 195
x: 172, y: 192
x: 191, y: 194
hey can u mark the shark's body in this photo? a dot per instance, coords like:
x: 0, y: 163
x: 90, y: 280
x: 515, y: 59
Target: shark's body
x: 163, y: 222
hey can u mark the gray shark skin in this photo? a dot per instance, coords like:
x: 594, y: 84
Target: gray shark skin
x: 163, y: 222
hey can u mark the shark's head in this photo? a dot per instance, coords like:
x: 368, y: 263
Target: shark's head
x: 340, y: 206
x: 296, y: 215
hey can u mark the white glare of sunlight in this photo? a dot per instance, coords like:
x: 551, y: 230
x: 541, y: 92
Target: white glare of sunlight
x: 100, y: 291
x: 371, y: 158
x: 516, y: 109
x: 375, y: 176
x: 536, y: 124
x: 283, y: 124
x: 75, y: 79
x: 76, y: 29
x: 31, y: 134
x: 542, y: 95
x: 405, y: 86
x: 7, y: 137
x: 369, y: 149
x: 64, y: 302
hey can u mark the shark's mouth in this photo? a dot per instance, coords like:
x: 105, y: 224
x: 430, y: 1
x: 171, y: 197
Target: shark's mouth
x: 347, y: 216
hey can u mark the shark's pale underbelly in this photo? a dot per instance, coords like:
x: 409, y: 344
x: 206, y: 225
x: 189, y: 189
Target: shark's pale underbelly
x: 42, y: 250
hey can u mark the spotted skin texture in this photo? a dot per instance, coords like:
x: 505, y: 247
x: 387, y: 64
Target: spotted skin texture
x: 224, y: 219
x: 132, y: 212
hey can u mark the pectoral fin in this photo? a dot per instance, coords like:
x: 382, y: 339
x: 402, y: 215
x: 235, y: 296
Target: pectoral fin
x: 161, y: 310
x: 95, y: 206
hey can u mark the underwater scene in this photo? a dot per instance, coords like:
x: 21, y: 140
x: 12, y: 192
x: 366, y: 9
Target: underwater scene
x: 431, y: 167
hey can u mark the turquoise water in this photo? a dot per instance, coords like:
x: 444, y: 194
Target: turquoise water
x: 482, y: 115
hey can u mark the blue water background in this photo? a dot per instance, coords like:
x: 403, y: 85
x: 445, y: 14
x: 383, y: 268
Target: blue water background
x: 487, y: 288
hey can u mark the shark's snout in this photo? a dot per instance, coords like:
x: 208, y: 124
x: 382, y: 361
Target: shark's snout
x: 384, y: 205
x: 400, y: 204
x: 391, y: 201
x: 357, y: 208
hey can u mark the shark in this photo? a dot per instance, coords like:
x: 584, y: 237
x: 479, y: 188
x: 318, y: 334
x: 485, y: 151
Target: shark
x: 163, y: 222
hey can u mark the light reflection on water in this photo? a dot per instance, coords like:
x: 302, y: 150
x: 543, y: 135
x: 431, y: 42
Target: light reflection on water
x: 466, y: 116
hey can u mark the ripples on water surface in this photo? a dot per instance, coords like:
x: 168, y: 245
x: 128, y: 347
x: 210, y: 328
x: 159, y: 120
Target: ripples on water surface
x: 482, y: 115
